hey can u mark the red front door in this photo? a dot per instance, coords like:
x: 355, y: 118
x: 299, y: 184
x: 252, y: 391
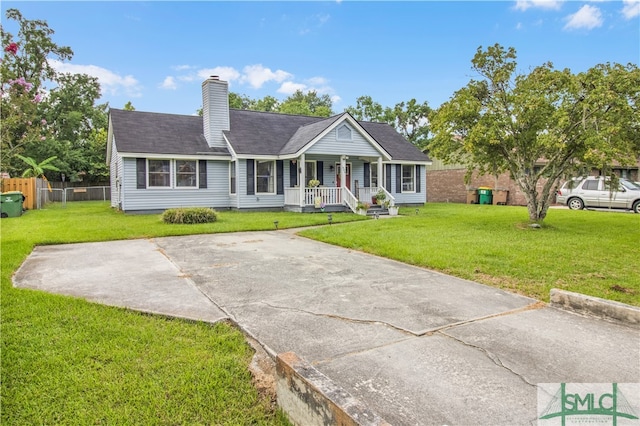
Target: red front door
x: 347, y: 176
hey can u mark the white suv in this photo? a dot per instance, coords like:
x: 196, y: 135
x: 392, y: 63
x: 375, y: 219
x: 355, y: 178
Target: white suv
x: 595, y: 191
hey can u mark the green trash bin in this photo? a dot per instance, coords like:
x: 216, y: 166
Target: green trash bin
x: 485, y: 195
x: 11, y: 204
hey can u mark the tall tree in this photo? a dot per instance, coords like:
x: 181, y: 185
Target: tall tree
x: 411, y: 119
x: 24, y: 70
x: 309, y: 103
x: 539, y: 126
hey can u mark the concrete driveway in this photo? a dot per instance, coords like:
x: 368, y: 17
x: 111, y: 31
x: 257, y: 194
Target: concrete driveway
x: 418, y: 347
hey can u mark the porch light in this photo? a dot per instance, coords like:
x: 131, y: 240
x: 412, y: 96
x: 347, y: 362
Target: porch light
x: 330, y: 218
x: 275, y: 222
x: 331, y: 167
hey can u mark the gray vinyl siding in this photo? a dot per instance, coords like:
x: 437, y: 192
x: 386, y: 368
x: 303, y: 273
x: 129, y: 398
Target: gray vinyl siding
x: 115, y: 174
x: 409, y: 197
x: 258, y: 201
x: 216, y: 194
x: 215, y: 104
x: 358, y: 145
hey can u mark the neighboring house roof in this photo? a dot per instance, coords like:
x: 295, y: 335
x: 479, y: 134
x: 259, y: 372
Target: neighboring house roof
x: 156, y: 133
x: 252, y: 133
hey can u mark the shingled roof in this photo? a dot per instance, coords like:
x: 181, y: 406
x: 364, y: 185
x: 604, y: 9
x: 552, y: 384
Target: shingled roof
x: 155, y: 133
x: 252, y: 133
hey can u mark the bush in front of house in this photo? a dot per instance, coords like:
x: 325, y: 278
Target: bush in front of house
x: 189, y: 215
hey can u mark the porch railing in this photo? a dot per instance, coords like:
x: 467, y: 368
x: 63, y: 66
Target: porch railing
x: 365, y: 194
x: 328, y: 196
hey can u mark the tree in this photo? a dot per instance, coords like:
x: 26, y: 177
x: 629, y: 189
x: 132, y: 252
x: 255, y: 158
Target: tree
x: 24, y: 70
x: 307, y: 104
x: 129, y: 106
x: 410, y: 119
x: 541, y: 126
x: 38, y: 122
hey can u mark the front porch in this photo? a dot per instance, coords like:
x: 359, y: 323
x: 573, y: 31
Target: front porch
x: 330, y: 199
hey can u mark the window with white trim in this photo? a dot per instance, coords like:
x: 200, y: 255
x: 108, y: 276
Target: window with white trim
x: 265, y: 177
x: 373, y: 175
x: 310, y: 171
x: 159, y: 173
x: 408, y: 181
x: 232, y: 177
x: 186, y: 174
x: 344, y: 133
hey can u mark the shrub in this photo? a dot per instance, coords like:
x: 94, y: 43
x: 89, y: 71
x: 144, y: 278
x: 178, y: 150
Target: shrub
x: 190, y: 215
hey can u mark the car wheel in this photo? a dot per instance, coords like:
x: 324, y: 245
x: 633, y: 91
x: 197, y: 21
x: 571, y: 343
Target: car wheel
x: 575, y: 204
x: 636, y: 207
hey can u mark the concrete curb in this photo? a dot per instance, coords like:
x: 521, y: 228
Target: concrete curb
x: 589, y: 305
x: 310, y: 398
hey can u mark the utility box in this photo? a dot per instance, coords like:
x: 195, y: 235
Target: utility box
x: 500, y: 197
x: 472, y: 196
x: 485, y: 195
x: 11, y: 204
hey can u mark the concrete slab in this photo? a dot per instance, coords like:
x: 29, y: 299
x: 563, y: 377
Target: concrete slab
x: 130, y: 274
x: 293, y: 272
x: 416, y: 346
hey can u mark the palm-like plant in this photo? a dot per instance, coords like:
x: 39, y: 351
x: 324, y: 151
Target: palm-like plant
x: 36, y: 169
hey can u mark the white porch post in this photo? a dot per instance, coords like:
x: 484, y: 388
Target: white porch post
x: 343, y: 171
x: 301, y: 184
x: 380, y: 176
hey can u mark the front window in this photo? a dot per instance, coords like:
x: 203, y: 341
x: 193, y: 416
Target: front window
x: 232, y: 177
x: 310, y: 171
x: 159, y: 173
x: 265, y: 173
x: 407, y: 178
x: 186, y: 173
x: 374, y: 175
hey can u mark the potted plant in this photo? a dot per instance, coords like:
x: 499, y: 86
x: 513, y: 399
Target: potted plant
x: 380, y: 197
x: 362, y: 208
x: 393, y: 210
x: 314, y: 182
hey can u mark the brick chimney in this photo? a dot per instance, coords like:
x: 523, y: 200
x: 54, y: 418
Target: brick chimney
x: 215, y: 110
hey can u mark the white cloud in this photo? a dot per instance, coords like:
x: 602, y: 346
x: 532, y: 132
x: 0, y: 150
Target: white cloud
x: 182, y: 67
x: 110, y: 82
x: 289, y: 87
x: 631, y: 8
x: 540, y: 4
x: 588, y: 17
x: 169, y: 83
x: 225, y: 73
x: 257, y: 75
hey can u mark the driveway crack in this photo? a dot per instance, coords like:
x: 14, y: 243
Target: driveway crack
x: 341, y: 318
x: 493, y: 357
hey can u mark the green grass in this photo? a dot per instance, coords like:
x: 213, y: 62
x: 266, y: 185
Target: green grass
x: 589, y: 252
x: 67, y: 361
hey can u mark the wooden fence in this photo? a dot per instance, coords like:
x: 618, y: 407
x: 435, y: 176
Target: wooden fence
x: 30, y: 188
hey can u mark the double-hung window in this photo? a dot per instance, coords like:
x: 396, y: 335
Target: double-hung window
x: 310, y: 171
x: 265, y: 177
x: 159, y: 173
x: 373, y: 174
x: 408, y: 181
x: 186, y: 174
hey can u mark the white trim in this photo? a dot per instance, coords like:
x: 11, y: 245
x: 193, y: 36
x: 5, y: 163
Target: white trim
x: 174, y: 156
x: 229, y: 147
x: 274, y: 177
x: 170, y: 186
x: 315, y: 168
x: 413, y: 179
x: 235, y: 164
x: 346, y: 117
x: 338, y: 138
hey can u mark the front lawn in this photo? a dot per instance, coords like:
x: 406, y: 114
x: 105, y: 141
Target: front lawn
x: 589, y: 252
x: 67, y: 361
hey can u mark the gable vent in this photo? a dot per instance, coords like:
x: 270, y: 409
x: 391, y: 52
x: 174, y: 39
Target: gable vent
x: 344, y: 133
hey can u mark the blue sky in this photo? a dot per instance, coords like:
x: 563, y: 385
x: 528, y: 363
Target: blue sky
x: 156, y: 54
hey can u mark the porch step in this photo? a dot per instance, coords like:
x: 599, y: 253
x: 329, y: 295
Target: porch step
x: 377, y: 210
